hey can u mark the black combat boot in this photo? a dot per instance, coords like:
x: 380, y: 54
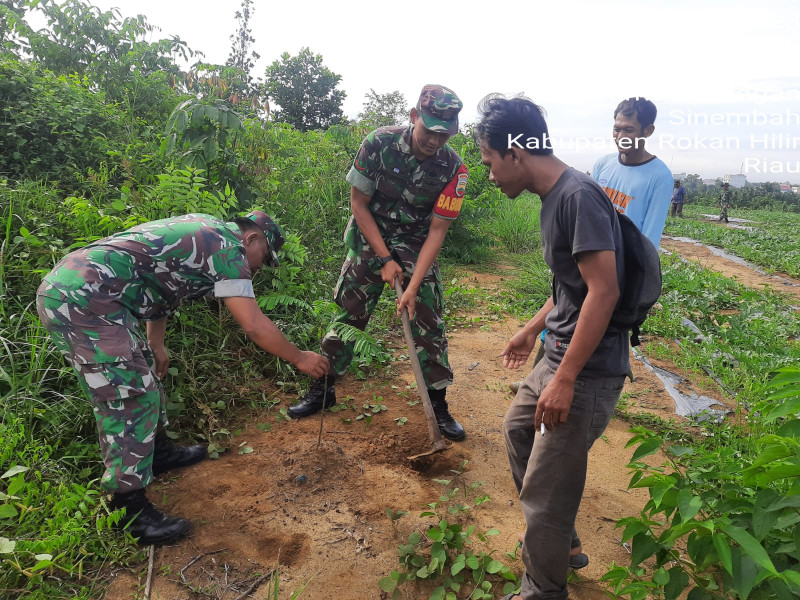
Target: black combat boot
x: 313, y: 400
x: 146, y: 522
x: 450, y: 428
x: 167, y: 455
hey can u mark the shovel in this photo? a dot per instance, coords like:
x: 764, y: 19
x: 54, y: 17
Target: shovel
x: 437, y: 441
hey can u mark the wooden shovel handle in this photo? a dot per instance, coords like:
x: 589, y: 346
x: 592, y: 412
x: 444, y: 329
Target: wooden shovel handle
x: 433, y: 427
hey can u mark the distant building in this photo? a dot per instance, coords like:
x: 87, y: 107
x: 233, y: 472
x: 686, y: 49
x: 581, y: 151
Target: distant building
x: 679, y: 176
x: 737, y: 181
x: 709, y: 182
x: 796, y: 189
x: 786, y: 188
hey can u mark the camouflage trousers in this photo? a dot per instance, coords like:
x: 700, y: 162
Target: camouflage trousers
x: 115, y: 368
x: 723, y: 213
x: 357, y: 293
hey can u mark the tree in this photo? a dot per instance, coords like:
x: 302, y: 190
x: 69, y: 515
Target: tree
x: 305, y: 91
x: 111, y: 53
x: 242, y: 56
x: 692, y: 182
x: 382, y: 110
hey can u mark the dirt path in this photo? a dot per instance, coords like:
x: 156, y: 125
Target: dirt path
x: 745, y: 275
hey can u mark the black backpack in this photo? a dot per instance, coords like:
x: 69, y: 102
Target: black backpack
x: 642, y: 286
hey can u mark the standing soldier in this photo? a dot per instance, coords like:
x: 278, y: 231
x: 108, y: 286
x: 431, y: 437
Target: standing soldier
x: 407, y: 188
x: 725, y: 201
x: 93, y: 303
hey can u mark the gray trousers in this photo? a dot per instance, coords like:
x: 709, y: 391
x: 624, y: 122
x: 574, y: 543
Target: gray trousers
x: 550, y: 473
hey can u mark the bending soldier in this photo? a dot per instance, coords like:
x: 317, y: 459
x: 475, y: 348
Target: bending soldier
x: 93, y: 302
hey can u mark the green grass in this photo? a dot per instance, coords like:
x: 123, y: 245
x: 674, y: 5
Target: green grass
x: 754, y: 336
x: 772, y: 244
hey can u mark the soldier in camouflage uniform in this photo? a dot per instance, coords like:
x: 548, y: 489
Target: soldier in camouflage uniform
x: 725, y: 202
x: 407, y: 188
x: 93, y: 303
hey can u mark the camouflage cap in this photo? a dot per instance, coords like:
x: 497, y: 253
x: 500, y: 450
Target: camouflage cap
x: 439, y: 107
x: 272, y: 230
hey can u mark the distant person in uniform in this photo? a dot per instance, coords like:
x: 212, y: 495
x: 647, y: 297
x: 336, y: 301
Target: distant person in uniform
x: 638, y: 183
x: 407, y: 189
x: 93, y: 304
x: 678, y: 198
x: 725, y: 202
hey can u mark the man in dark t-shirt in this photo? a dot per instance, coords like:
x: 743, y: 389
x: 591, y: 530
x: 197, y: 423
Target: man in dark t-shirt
x: 580, y: 380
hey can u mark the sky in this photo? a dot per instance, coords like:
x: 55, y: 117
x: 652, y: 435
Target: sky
x: 723, y: 74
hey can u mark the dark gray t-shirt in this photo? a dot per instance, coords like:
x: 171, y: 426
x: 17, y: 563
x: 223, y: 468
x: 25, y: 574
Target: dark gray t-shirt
x: 576, y: 217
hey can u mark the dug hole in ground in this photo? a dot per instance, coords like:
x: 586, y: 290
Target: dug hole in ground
x: 319, y: 512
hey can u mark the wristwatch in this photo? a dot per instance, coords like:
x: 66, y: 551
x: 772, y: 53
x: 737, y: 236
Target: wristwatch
x: 378, y: 262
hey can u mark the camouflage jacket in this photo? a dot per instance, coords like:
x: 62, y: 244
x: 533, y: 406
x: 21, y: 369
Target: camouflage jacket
x: 152, y: 268
x: 726, y: 197
x: 405, y: 192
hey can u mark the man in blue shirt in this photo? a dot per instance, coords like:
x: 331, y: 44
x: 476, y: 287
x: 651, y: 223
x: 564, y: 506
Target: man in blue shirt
x: 637, y: 183
x: 678, y: 197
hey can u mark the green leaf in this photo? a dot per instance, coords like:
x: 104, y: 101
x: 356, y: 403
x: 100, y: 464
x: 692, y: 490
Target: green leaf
x: 493, y: 532
x: 678, y: 580
x: 386, y: 584
x: 744, y: 573
x: 643, y: 547
x: 7, y: 511
x: 688, y: 504
x: 457, y: 567
x: 790, y: 429
x: 435, y: 534
x: 438, y: 593
x: 698, y: 593
x: 42, y: 564
x: 763, y: 519
x: 7, y: 546
x: 661, y: 577
x: 442, y: 481
x: 723, y: 551
x: 438, y: 553
x: 681, y: 450
x: 494, y: 566
x: 750, y: 545
x: 647, y: 447
x: 776, y: 473
x: 13, y: 471
x: 472, y: 562
x: 197, y: 116
x: 16, y: 485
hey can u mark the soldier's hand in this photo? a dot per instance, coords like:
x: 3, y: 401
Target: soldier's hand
x: 391, y: 270
x: 313, y: 364
x: 162, y: 361
x: 407, y: 300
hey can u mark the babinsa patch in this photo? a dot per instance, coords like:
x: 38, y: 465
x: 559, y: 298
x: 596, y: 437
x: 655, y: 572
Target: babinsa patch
x: 461, y: 185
